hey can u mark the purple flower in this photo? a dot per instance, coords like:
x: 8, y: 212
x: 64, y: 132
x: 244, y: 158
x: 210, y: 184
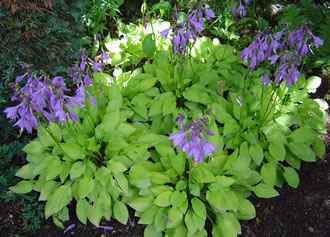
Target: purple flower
x: 12, y: 112
x: 105, y: 227
x: 234, y: 10
x: 190, y: 140
x: 207, y: 146
x: 73, y: 116
x: 87, y: 80
x: 97, y: 67
x: 317, y: 41
x: 68, y: 228
x: 265, y: 79
x: 92, y: 100
x: 241, y: 10
x: 164, y: 33
x: 104, y: 55
x: 209, y: 13
x: 180, y: 138
x: 20, y: 78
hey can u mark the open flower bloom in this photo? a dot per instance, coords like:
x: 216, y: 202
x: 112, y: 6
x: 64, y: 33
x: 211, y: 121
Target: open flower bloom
x: 285, y: 50
x: 193, y: 140
x: 42, y: 97
x: 191, y: 26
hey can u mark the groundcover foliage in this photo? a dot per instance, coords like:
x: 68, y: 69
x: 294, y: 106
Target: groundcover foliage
x: 185, y: 139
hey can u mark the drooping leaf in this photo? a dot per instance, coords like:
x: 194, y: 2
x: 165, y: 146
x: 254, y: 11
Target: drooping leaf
x: 82, y: 210
x: 24, y: 186
x: 163, y: 199
x: 198, y: 207
x: 268, y: 174
x: 302, y: 151
x: 59, y: 199
x: 77, y: 169
x: 149, y: 45
x: 291, y: 177
x: 257, y: 154
x: 265, y: 191
x: 120, y: 212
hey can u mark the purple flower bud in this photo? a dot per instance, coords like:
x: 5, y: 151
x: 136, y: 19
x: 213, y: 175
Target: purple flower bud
x: 266, y: 79
x: 241, y: 10
x: 234, y: 10
x: 208, y: 132
x: 209, y: 13
x: 73, y: 116
x: 92, y: 100
x: 260, y: 56
x: 20, y: 78
x: 88, y: 80
x: 104, y: 56
x: 82, y: 65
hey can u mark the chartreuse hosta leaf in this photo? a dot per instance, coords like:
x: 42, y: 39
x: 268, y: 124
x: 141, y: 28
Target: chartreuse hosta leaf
x: 318, y: 146
x: 245, y: 209
x: 265, y: 191
x: 150, y: 231
x: 161, y: 219
x: 175, y: 216
x: 202, y: 175
x: 142, y: 204
x: 302, y: 151
x: 86, y: 185
x: 47, y: 189
x: 58, y: 199
x: 34, y: 147
x: 82, y: 210
x: 27, y: 171
x: 291, y: 177
x: 268, y: 173
x: 24, y: 186
x: 277, y: 150
x: 226, y: 225
x: 74, y: 151
x: 77, y: 169
x: 302, y: 135
x: 163, y: 199
x: 120, y: 212
x: 199, y: 207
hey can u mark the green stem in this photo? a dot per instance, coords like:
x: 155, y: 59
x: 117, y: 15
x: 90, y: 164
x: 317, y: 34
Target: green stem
x: 244, y: 95
x: 268, y: 111
x: 54, y: 138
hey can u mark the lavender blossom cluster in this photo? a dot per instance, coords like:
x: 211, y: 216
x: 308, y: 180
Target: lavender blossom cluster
x: 240, y: 10
x: 190, y: 27
x: 285, y: 48
x: 47, y: 98
x: 190, y: 140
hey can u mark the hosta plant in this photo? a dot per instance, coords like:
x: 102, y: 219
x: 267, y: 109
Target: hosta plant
x: 185, y: 140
